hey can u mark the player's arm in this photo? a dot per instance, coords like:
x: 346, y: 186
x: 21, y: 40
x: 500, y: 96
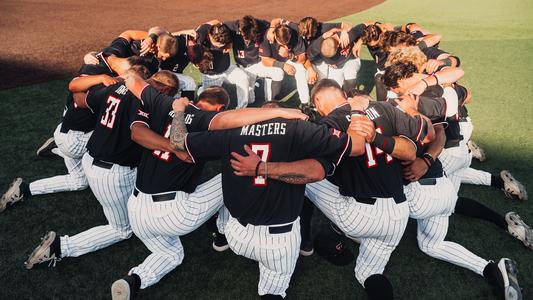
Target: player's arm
x: 445, y: 76
x: 84, y: 83
x: 414, y: 170
x: 429, y: 40
x: 134, y: 35
x: 146, y: 137
x: 240, y: 117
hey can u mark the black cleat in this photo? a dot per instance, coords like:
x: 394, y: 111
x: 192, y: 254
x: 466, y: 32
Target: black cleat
x: 45, y: 150
x: 220, y: 243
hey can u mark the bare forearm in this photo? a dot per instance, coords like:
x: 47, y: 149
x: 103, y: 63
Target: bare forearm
x: 436, y: 146
x: 446, y: 75
x: 267, y: 61
x: 431, y: 39
x: 134, y: 35
x: 404, y: 149
x: 84, y: 83
x: 246, y: 116
x: 178, y: 131
x: 297, y: 172
x: 147, y: 138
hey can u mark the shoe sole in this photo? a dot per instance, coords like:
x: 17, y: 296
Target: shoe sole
x: 509, y: 270
x: 307, y: 253
x: 120, y: 290
x: 474, y: 148
x: 44, y: 146
x: 4, y: 201
x: 220, y: 248
x: 509, y: 178
x: 45, y: 243
x: 511, y: 221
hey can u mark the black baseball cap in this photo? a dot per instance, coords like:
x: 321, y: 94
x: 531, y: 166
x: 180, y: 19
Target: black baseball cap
x: 333, y: 249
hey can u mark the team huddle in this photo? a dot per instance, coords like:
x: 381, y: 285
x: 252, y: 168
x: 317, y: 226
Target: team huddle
x: 138, y: 132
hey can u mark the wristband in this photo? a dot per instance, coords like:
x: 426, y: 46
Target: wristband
x: 447, y: 62
x: 278, y: 64
x: 358, y: 112
x: 429, y: 157
x: 425, y: 160
x: 385, y: 143
x: 436, y: 78
x: 257, y: 168
x: 153, y: 36
x: 424, y: 81
x: 422, y: 45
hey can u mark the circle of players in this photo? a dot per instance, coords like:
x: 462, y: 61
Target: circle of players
x: 134, y: 132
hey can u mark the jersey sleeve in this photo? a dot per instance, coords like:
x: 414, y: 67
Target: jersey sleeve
x: 141, y: 116
x: 299, y: 48
x: 292, y: 25
x: 321, y: 142
x: 356, y: 32
x: 328, y: 26
x: 313, y: 51
x: 95, y: 97
x: 199, y: 119
x: 265, y: 49
x: 205, y: 145
x: 202, y: 32
x: 120, y: 47
x: 433, y: 52
x: 232, y: 25
x: 415, y: 128
x: 150, y: 96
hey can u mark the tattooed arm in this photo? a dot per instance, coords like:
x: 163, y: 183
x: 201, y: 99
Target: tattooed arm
x: 178, y: 131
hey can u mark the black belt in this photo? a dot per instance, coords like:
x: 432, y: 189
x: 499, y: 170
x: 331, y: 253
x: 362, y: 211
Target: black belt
x: 102, y: 164
x: 160, y: 197
x: 372, y: 201
x: 273, y: 229
x: 427, y: 181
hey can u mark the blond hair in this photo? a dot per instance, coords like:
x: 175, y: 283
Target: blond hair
x: 411, y: 54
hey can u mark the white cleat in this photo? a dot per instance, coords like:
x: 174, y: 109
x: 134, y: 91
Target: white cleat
x: 477, y: 152
x: 120, y: 290
x: 12, y: 195
x: 519, y: 229
x: 513, y: 187
x: 509, y: 272
x: 43, y: 252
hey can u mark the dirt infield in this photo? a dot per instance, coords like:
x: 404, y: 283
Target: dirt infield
x: 45, y: 40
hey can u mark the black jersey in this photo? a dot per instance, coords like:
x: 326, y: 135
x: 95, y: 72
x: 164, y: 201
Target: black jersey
x: 77, y: 118
x: 121, y: 47
x: 433, y: 52
x: 379, y: 55
x: 180, y: 60
x: 342, y: 55
x: 160, y: 171
x: 259, y: 200
x: 221, y: 58
x: 115, y: 108
x: 375, y: 173
x: 434, y: 171
x: 296, y: 46
x: 246, y: 54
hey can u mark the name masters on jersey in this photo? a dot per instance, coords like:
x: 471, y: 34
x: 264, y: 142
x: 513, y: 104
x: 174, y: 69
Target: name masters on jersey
x: 274, y: 128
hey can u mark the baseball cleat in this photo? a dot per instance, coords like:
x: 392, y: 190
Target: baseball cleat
x: 220, y: 243
x: 306, y: 248
x: 519, y: 229
x: 125, y: 288
x: 12, y: 195
x: 477, y: 152
x: 338, y: 231
x: 43, y: 252
x: 509, y: 272
x: 46, y: 149
x: 512, y: 187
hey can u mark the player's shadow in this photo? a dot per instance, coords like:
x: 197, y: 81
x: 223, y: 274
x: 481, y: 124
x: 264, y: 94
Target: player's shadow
x: 365, y: 77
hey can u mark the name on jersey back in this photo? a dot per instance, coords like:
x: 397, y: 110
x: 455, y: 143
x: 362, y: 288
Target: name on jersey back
x: 274, y: 128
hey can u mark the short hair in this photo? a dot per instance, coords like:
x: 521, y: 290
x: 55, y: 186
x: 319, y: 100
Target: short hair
x: 201, y: 57
x: 371, y: 33
x: 329, y: 47
x: 322, y: 85
x: 214, y: 95
x: 411, y: 54
x: 282, y: 34
x: 140, y: 71
x: 395, y: 38
x: 149, y: 61
x: 249, y: 28
x: 166, y: 81
x: 271, y: 104
x: 220, y: 33
x: 167, y: 44
x: 308, y: 28
x: 398, y: 71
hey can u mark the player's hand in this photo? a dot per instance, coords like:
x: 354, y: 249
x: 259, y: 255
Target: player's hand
x: 413, y: 170
x: 344, y: 39
x: 146, y: 46
x: 90, y: 58
x: 408, y: 102
x: 330, y: 33
x: 359, y: 102
x: 108, y: 80
x: 289, y: 69
x: 183, y: 156
x: 312, y: 76
x: 283, y: 51
x: 356, y: 49
x: 270, y: 35
x: 292, y: 113
x: 417, y: 88
x: 180, y: 104
x: 244, y: 165
x: 432, y: 65
x: 364, y: 127
x: 386, y: 26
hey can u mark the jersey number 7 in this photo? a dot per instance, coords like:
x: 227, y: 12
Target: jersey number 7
x: 263, y: 151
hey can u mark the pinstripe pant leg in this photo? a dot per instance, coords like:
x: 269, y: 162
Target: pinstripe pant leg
x: 474, y: 176
x: 167, y: 254
x: 431, y: 235
x: 326, y: 197
x: 75, y: 180
x: 112, y: 189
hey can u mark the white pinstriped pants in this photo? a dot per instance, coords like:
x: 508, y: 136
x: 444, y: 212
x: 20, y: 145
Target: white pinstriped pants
x: 112, y: 188
x: 72, y: 146
x: 260, y: 70
x: 347, y: 72
x: 301, y: 81
x: 431, y: 206
x: 233, y: 75
x: 160, y: 224
x: 276, y: 253
x: 380, y: 226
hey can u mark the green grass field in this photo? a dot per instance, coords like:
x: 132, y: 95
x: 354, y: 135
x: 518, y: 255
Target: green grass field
x: 494, y: 40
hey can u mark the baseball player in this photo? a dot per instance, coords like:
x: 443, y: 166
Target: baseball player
x: 216, y: 37
x: 71, y: 135
x: 287, y: 52
x: 263, y: 213
x: 168, y: 186
x: 110, y: 166
x: 247, y: 35
x: 310, y: 29
x: 367, y: 199
x: 334, y: 61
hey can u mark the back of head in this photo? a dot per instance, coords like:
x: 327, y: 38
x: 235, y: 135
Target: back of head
x: 398, y: 71
x: 282, y: 34
x: 328, y: 88
x: 329, y: 47
x: 371, y: 34
x: 220, y: 33
x: 308, y: 27
x: 410, y: 54
x: 139, y: 70
x: 167, y: 44
x: 248, y: 28
x: 148, y: 61
x: 271, y: 104
x: 166, y: 82
x: 201, y: 57
x: 214, y: 95
x: 397, y: 38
